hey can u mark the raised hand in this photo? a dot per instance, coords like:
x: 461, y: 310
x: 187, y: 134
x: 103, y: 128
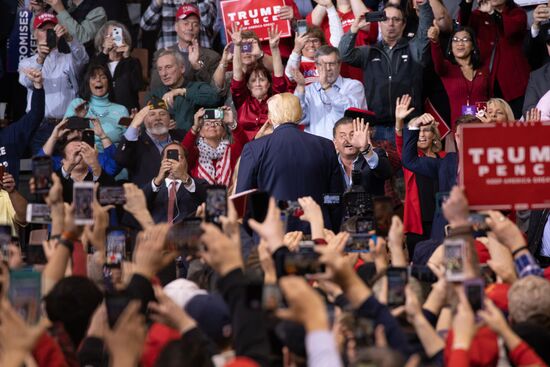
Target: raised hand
x: 286, y: 13
x: 433, y: 32
x: 235, y: 34
x: 361, y: 135
x: 61, y: 31
x: 358, y: 23
x: 298, y: 77
x: 274, y: 36
x: 455, y: 209
x: 81, y: 109
x: 224, y: 254
x: 139, y: 117
x: 533, y: 115
x: 271, y: 230
x: 194, y: 54
x: 402, y: 109
x: 35, y: 76
x: 150, y: 254
x: 300, y: 42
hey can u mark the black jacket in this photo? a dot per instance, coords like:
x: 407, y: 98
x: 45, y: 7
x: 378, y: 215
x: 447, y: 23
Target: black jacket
x: 537, y: 221
x: 127, y: 81
x: 373, y: 180
x: 67, y: 183
x: 539, y: 84
x: 388, y: 76
x: 186, y: 202
x: 141, y: 157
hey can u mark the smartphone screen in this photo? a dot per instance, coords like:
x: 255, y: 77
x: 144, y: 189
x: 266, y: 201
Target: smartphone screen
x: 301, y: 27
x: 111, y: 195
x: 479, y: 226
x: 455, y: 253
x: 331, y: 199
x: 117, y: 36
x: 475, y: 291
x: 259, y: 203
x: 83, y: 194
x: 358, y: 242
x: 173, y: 154
x: 39, y: 213
x: 42, y: 173
x: 213, y: 114
x: 383, y: 212
x: 25, y: 294
x: 216, y: 203
x: 115, y: 250
x: 246, y: 47
x: 51, y: 39
x: 397, y: 280
x: 5, y: 240
x: 88, y: 136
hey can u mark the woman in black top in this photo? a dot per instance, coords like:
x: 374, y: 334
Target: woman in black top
x: 125, y: 70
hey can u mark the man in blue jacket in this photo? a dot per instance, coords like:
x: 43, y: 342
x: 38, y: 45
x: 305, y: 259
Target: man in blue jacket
x: 15, y: 138
x: 290, y: 164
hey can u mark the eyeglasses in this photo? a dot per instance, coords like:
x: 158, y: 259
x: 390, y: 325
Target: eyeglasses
x: 393, y: 20
x: 313, y: 40
x: 328, y: 64
x: 463, y: 40
x: 214, y: 123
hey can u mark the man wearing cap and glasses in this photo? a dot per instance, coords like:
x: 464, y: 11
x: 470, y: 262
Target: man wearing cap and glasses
x: 140, y: 148
x: 163, y: 13
x: 59, y: 72
x: 200, y: 62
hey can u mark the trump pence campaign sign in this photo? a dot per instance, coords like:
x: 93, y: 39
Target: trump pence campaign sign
x: 506, y: 166
x: 255, y: 16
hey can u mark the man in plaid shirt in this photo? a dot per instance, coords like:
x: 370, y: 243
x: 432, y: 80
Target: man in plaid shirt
x: 164, y: 12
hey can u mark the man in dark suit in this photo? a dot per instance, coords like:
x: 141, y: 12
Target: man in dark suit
x: 538, y: 236
x: 443, y: 170
x: 289, y: 163
x: 141, y: 153
x: 173, y: 194
x: 352, y: 140
x: 539, y: 80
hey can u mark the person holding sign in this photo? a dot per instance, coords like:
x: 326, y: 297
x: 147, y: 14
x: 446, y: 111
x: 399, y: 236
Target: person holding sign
x: 251, y: 92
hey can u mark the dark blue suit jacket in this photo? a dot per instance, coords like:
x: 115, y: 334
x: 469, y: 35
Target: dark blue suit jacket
x: 443, y: 170
x: 290, y: 164
x: 186, y: 202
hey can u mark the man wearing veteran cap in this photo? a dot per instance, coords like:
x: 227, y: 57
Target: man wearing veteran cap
x: 59, y: 72
x: 140, y: 148
x: 200, y: 62
x: 181, y: 96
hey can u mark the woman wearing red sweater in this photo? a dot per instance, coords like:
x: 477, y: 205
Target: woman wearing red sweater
x: 465, y: 80
x: 500, y: 26
x: 210, y: 154
x: 250, y: 92
x: 419, y: 190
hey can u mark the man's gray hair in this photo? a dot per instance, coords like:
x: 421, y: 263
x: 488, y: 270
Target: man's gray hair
x: 176, y: 54
x: 327, y: 50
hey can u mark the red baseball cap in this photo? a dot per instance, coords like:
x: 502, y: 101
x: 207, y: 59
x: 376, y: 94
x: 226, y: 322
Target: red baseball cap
x: 44, y: 18
x: 186, y: 10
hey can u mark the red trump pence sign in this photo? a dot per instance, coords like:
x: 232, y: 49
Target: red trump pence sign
x: 254, y: 15
x: 506, y: 166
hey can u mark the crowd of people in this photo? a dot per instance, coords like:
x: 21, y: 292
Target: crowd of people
x: 275, y: 201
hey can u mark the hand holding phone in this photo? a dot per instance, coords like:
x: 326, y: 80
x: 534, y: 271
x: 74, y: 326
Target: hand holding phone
x: 42, y: 174
x: 216, y: 203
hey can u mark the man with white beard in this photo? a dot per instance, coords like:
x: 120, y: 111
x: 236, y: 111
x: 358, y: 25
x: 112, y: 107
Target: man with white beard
x: 140, y: 150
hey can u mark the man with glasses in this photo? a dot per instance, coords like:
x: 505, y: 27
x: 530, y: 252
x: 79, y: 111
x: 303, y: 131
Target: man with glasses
x: 325, y: 101
x: 393, y: 66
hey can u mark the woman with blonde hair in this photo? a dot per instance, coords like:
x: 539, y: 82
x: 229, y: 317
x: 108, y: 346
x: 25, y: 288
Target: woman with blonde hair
x: 498, y: 110
x: 420, y: 191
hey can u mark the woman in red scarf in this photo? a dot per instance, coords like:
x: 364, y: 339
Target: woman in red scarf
x: 211, y: 156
